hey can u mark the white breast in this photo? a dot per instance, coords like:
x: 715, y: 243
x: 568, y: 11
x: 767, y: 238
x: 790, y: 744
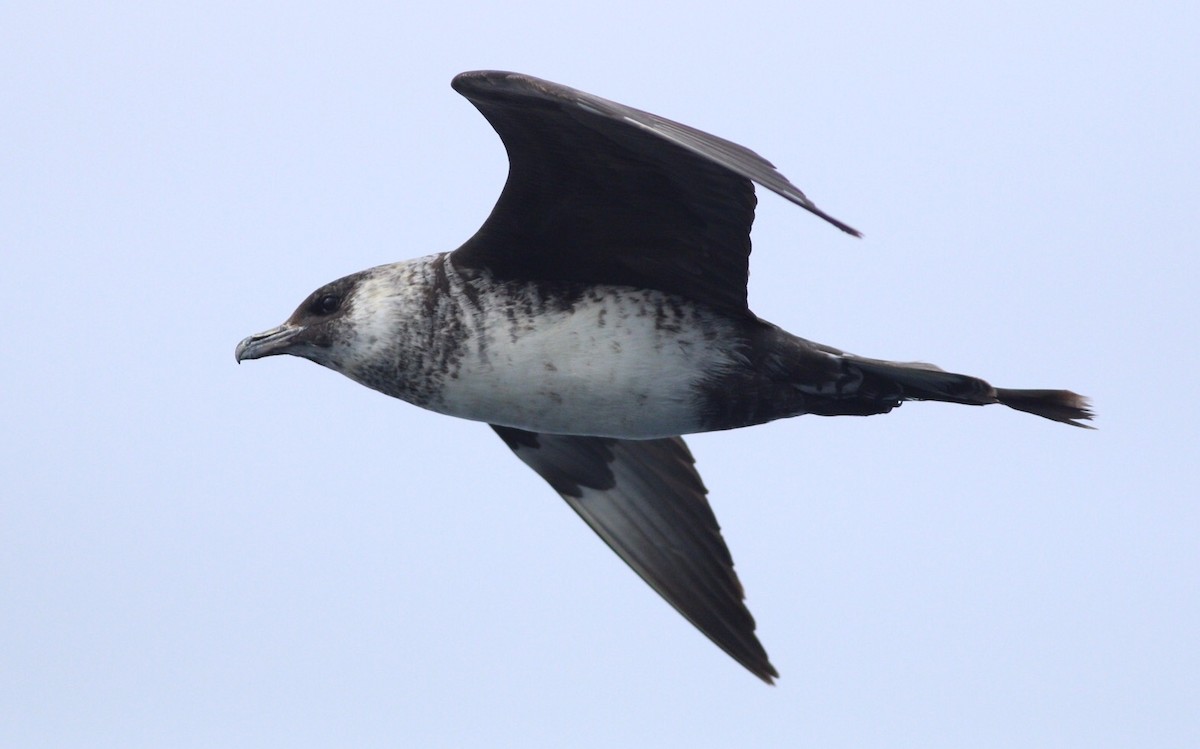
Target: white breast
x: 619, y: 362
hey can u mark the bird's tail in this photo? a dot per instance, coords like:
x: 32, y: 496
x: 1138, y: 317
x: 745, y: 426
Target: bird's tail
x: 920, y: 381
x: 1058, y: 405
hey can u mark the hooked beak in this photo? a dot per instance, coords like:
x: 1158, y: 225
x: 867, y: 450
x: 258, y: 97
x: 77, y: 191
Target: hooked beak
x: 267, y: 343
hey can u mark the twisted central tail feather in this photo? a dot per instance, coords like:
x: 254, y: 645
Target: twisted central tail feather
x: 921, y: 381
x: 1057, y: 405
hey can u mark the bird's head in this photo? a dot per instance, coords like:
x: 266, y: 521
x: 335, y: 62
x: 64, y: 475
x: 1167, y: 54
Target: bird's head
x: 323, y: 328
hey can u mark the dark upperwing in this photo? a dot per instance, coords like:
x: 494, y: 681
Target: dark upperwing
x: 598, y: 192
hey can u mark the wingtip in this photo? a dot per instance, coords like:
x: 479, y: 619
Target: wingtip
x: 768, y: 675
x: 836, y: 222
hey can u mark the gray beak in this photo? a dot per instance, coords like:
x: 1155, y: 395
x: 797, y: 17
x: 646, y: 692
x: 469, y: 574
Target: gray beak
x: 267, y: 343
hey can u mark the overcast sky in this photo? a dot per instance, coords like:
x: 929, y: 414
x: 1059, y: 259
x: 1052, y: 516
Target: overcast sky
x: 197, y: 554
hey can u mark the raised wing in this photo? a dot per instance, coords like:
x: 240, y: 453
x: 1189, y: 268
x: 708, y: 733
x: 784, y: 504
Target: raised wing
x: 645, y: 499
x: 598, y: 192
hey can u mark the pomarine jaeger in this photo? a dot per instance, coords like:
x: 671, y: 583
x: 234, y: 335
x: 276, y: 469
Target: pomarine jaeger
x: 599, y: 313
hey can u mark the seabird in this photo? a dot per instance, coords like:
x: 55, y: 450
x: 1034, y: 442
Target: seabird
x: 598, y: 314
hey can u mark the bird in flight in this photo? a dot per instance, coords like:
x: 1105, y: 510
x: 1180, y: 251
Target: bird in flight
x: 598, y: 314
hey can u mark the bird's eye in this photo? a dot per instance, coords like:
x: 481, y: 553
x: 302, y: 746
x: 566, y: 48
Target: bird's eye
x: 326, y: 304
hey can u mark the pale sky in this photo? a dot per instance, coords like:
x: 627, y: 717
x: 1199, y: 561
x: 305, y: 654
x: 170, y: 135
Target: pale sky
x: 197, y: 554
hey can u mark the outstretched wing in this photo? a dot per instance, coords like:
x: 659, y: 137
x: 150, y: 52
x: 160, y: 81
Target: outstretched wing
x: 598, y: 192
x: 645, y: 499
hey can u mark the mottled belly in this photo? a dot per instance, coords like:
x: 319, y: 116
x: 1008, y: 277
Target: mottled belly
x: 621, y: 363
